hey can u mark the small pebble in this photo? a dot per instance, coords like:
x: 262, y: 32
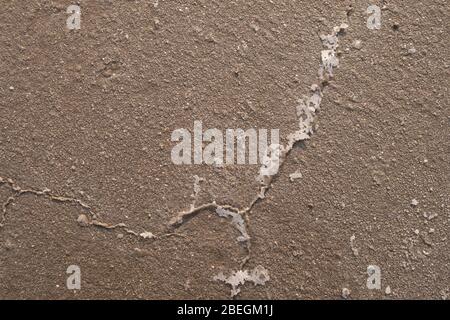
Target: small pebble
x: 295, y: 175
x: 297, y: 253
x: 388, y: 290
x: 83, y: 220
x: 346, y: 293
x: 357, y: 44
x: 412, y: 51
x: 414, y: 202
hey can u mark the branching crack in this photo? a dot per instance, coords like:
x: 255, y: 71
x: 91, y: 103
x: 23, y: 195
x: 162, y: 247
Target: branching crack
x: 307, y: 109
x: 83, y: 220
x: 240, y: 217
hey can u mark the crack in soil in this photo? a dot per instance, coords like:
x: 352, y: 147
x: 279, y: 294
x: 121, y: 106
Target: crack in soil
x: 306, y: 113
x: 82, y: 220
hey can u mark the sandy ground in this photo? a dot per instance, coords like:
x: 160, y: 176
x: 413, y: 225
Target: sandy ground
x: 86, y: 122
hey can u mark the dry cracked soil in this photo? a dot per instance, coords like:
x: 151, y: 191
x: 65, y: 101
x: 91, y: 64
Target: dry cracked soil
x: 87, y: 179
